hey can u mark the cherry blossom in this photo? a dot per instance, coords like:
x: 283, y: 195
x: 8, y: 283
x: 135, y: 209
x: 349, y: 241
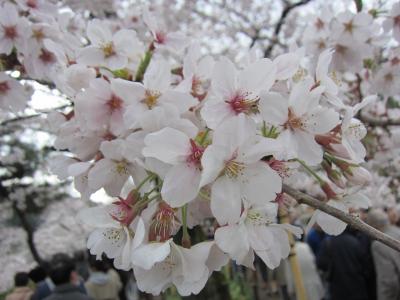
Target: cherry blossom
x: 162, y: 39
x: 235, y: 91
x: 182, y: 181
x: 12, y: 29
x: 156, y: 91
x: 103, y: 105
x: 13, y: 96
x: 233, y: 162
x: 159, y: 265
x: 167, y: 111
x: 116, y: 236
x: 393, y: 21
x: 256, y: 231
x: 109, y: 50
x: 118, y: 164
x: 299, y: 118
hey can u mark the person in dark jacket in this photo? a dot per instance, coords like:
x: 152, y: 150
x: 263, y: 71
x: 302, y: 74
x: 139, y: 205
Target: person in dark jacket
x: 45, y: 287
x: 346, y: 264
x: 66, y: 281
x: 315, y: 237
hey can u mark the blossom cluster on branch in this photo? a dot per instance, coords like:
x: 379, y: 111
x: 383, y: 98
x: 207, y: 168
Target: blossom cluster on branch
x: 177, y: 137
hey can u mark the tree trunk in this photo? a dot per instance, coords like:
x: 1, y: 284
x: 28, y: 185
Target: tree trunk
x: 30, y: 232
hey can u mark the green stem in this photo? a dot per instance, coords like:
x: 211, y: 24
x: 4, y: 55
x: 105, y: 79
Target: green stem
x: 203, y: 138
x: 185, y: 233
x: 143, y: 66
x: 154, y: 197
x: 184, y: 220
x: 338, y: 161
x: 204, y: 196
x: 310, y: 171
x: 155, y: 188
x: 264, y: 129
x: 151, y: 176
x: 143, y: 202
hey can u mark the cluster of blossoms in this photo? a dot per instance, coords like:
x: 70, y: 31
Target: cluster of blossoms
x: 177, y: 138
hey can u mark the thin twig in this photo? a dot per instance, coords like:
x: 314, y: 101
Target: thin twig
x: 352, y: 221
x: 278, y: 26
x: 27, y: 117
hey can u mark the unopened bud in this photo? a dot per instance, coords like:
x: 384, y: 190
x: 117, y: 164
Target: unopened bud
x: 358, y: 175
x: 335, y: 176
x: 330, y: 194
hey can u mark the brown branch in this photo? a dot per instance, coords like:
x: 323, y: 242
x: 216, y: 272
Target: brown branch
x: 353, y: 221
x: 278, y: 26
x: 29, y: 232
x: 28, y: 117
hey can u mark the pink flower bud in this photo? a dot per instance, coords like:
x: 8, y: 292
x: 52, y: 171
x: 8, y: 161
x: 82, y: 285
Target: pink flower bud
x: 358, y: 175
x: 335, y: 176
x: 330, y: 194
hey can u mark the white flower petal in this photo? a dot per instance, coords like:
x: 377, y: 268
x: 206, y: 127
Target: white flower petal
x: 273, y: 108
x: 181, y: 185
x: 260, y: 183
x: 226, y: 204
x: 258, y: 76
x: 232, y: 239
x: 168, y: 145
x: 146, y: 256
x: 224, y: 78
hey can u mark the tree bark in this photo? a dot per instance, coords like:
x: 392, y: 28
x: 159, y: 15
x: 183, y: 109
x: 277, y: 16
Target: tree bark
x: 30, y: 233
x: 278, y: 26
x: 351, y: 220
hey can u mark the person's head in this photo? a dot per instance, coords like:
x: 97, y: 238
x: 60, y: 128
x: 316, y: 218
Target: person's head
x: 80, y: 255
x: 21, y: 279
x: 363, y: 213
x: 377, y: 219
x: 62, y: 269
x: 37, y: 274
x: 98, y: 265
x: 392, y: 215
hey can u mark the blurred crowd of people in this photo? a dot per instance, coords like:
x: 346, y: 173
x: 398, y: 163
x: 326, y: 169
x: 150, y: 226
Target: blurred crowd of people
x: 354, y: 267
x: 82, y: 277
x: 349, y: 266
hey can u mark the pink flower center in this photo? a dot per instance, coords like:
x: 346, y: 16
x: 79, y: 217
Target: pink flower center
x: 293, y: 122
x: 341, y: 49
x: 31, y: 3
x: 242, y: 103
x: 280, y: 167
x: 196, y: 154
x: 319, y: 24
x: 123, y: 212
x: 108, y: 50
x: 38, y: 35
x: 114, y: 104
x: 163, y: 224
x: 160, y: 37
x: 388, y: 77
x: 4, y: 87
x: 47, y: 57
x: 349, y: 27
x: 395, y: 61
x: 397, y: 20
x: 10, y: 32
